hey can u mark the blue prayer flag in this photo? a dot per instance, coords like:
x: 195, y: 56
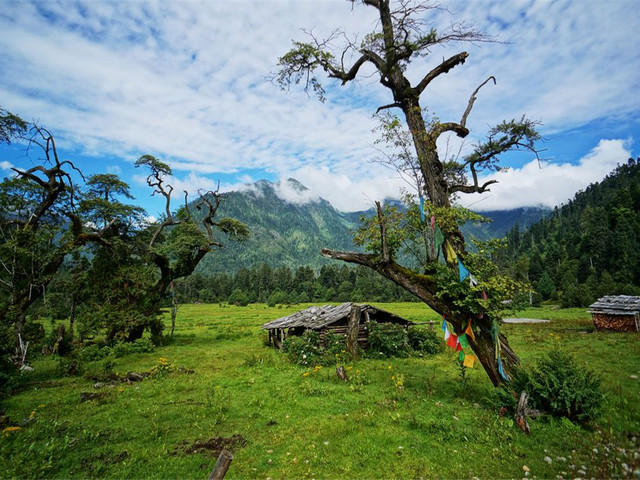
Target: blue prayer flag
x: 462, y: 270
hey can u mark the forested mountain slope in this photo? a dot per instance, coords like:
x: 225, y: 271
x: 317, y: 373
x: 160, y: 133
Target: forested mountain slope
x: 289, y: 227
x: 283, y: 233
x: 587, y: 248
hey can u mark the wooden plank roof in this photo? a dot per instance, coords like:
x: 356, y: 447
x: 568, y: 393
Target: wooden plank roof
x: 316, y: 318
x: 616, y: 305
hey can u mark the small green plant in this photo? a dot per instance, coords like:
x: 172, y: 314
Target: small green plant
x: 464, y: 379
x: 107, y: 366
x: 163, y: 366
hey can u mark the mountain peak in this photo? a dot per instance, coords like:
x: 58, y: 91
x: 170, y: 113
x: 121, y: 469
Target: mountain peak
x: 295, y: 184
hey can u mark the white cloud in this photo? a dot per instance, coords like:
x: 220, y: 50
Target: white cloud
x: 185, y: 81
x: 293, y: 192
x: 548, y: 184
x: 349, y: 193
x: 4, y: 165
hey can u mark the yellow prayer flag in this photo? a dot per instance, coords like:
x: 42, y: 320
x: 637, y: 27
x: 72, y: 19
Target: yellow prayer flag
x: 469, y: 360
x: 450, y: 253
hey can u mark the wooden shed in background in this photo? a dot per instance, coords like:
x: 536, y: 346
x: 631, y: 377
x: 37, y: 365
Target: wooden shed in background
x: 620, y: 313
x: 340, y: 320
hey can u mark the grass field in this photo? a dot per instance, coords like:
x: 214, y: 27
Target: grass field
x: 284, y: 421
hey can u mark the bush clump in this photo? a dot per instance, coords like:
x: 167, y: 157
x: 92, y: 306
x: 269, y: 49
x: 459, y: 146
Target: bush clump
x: 141, y: 345
x: 306, y: 349
x: 388, y: 340
x: 392, y: 340
x: 423, y: 340
x: 93, y: 352
x: 561, y: 387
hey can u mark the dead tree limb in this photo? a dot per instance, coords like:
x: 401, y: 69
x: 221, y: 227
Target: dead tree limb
x: 222, y: 465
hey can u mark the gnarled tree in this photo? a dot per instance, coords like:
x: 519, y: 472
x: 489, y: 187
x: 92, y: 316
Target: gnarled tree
x: 402, y: 34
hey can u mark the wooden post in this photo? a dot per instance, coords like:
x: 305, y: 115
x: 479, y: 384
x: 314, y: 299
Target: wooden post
x: 351, y: 340
x: 222, y: 465
x: 521, y: 413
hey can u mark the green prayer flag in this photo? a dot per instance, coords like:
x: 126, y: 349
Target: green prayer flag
x: 463, y: 340
x: 461, y: 356
x: 438, y: 238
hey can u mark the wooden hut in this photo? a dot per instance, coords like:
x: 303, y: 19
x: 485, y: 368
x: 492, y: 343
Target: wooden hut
x: 340, y: 320
x: 619, y: 313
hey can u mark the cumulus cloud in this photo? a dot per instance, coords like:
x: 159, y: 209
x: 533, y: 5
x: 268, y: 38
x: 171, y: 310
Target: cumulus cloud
x: 4, y: 165
x: 548, y: 184
x: 185, y: 81
x: 349, y: 193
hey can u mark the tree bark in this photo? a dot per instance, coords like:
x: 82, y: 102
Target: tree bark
x: 352, y: 331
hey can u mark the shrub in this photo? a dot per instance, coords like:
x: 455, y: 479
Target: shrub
x: 238, y: 298
x: 334, y: 344
x: 305, y: 349
x: 141, y: 345
x: 91, y: 353
x: 562, y: 387
x: 277, y: 297
x: 423, y: 340
x: 388, y: 340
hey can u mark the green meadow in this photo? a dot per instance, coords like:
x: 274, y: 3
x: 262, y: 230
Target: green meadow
x: 394, y: 418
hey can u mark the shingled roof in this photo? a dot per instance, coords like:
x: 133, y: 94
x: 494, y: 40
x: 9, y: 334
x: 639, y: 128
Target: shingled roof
x: 616, y: 305
x: 316, y: 318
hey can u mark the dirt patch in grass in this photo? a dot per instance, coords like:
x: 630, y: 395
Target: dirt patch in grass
x: 214, y: 445
x: 524, y: 320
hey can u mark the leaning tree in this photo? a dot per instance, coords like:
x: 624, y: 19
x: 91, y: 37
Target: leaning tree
x: 402, y: 34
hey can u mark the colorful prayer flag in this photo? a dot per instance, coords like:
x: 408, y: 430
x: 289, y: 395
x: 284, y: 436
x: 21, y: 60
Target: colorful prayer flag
x: 422, y: 208
x: 445, y: 329
x: 484, y: 295
x: 469, y: 331
x: 438, y: 238
x: 469, y: 360
x: 433, y: 222
x: 449, y: 252
x: 501, y: 370
x: 453, y: 340
x: 461, y: 356
x: 462, y: 339
x: 462, y: 270
x: 472, y: 281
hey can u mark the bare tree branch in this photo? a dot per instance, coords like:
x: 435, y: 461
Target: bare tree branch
x: 444, y: 67
x: 472, y: 100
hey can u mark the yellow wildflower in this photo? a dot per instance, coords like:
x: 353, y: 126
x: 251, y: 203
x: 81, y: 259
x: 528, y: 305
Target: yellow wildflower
x: 8, y: 430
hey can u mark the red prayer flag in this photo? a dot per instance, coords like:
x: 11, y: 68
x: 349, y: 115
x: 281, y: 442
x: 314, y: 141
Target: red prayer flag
x: 453, y: 340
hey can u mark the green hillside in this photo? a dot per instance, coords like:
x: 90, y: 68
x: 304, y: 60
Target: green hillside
x: 589, y: 247
x: 283, y: 233
x: 291, y: 234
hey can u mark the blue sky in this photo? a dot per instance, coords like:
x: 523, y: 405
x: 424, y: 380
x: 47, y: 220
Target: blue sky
x: 185, y: 81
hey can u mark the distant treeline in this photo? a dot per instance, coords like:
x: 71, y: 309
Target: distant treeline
x: 264, y: 284
x: 585, y: 249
